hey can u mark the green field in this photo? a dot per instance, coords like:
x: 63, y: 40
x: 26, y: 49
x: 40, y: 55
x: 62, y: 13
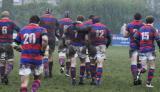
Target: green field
x: 116, y: 77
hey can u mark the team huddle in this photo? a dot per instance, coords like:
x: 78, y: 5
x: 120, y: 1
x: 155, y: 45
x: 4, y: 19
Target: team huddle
x: 83, y: 39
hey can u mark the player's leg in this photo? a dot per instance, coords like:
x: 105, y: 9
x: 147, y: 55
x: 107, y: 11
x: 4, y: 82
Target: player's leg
x: 151, y: 63
x: 45, y: 62
x: 24, y: 73
x: 72, y: 58
x: 101, y: 50
x: 3, y: 64
x: 38, y: 70
x: 87, y: 64
x: 82, y: 57
x: 92, y: 55
x: 50, y: 60
x: 134, y: 69
x: 62, y: 55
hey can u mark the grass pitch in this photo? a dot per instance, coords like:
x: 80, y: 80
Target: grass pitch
x: 116, y: 76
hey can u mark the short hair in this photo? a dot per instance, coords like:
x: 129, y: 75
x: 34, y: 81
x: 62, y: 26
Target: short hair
x: 96, y: 19
x: 80, y: 18
x: 34, y: 19
x: 137, y: 16
x: 5, y: 14
x: 91, y: 16
x: 48, y: 11
x: 149, y: 19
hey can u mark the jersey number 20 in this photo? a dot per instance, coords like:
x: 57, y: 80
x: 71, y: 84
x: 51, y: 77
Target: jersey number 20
x: 29, y: 38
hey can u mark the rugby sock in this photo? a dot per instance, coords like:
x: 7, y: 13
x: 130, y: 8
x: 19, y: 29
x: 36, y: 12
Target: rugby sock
x: 50, y: 68
x: 2, y: 71
x: 93, y: 71
x: 73, y: 72
x: 68, y: 64
x: 46, y: 69
x: 82, y: 70
x: 134, y: 71
x: 99, y: 73
x: 150, y: 75
x: 35, y: 85
x: 88, y: 69
x: 9, y: 68
x: 61, y: 61
x: 23, y: 89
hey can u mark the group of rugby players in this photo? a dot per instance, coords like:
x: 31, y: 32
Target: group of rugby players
x: 86, y: 40
x: 142, y: 48
x: 83, y: 39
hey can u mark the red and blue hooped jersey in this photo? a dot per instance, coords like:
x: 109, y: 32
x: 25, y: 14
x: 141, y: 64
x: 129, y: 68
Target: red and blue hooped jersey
x: 30, y: 39
x: 64, y: 23
x: 99, y: 34
x: 132, y: 28
x: 145, y: 37
x: 7, y: 27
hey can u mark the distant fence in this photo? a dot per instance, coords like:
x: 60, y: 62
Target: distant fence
x: 119, y: 40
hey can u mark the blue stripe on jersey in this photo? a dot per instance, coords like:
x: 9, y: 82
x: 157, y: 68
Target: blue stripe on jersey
x: 31, y: 51
x: 45, y: 19
x: 31, y: 61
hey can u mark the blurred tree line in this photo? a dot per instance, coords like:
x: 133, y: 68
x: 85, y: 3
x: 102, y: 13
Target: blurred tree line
x: 112, y: 12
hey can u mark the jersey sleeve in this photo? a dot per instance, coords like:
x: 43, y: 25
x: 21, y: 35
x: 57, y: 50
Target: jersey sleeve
x: 18, y: 38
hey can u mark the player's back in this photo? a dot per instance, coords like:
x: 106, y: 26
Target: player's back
x: 147, y: 35
x: 7, y: 28
x: 77, y: 36
x: 132, y: 27
x: 49, y: 22
x: 64, y: 23
x: 98, y: 34
x: 31, y: 40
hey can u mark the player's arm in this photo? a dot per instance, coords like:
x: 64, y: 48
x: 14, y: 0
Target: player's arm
x: 17, y: 43
x: 44, y: 41
x: 109, y: 38
x: 157, y: 38
x: 125, y: 31
x: 56, y: 29
x: 137, y: 37
x: 16, y: 28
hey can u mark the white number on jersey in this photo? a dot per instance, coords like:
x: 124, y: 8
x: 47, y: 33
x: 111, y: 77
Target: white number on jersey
x: 29, y: 38
x: 100, y: 33
x: 145, y: 35
x: 4, y: 30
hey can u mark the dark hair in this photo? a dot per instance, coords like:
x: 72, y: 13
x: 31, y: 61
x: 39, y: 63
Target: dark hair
x: 137, y: 16
x: 96, y: 19
x: 34, y: 19
x: 80, y: 18
x: 91, y: 16
x: 48, y: 11
x: 149, y: 19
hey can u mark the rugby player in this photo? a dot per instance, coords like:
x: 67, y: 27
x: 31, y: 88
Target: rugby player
x: 99, y: 40
x: 88, y: 23
x: 145, y: 38
x: 49, y: 22
x: 32, y: 40
x: 75, y: 36
x: 64, y: 23
x: 7, y: 28
x: 129, y: 31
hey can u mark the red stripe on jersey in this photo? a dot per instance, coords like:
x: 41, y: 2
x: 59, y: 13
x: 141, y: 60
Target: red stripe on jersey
x: 31, y: 46
x: 32, y: 56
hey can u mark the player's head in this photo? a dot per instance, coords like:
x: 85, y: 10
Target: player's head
x: 96, y: 19
x: 67, y: 14
x: 149, y: 19
x: 5, y: 14
x: 34, y: 19
x: 137, y: 16
x: 91, y: 16
x: 80, y: 18
x: 48, y: 11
